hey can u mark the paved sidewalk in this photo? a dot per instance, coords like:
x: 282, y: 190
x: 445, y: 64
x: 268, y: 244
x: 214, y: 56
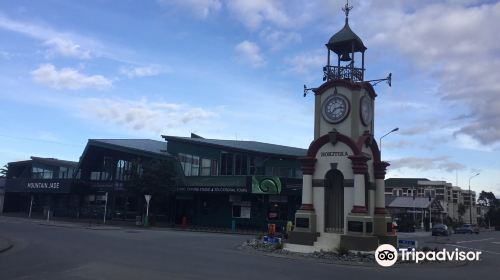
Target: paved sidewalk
x: 5, y: 244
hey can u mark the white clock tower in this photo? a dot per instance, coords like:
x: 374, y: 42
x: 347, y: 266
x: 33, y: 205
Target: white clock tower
x: 343, y: 201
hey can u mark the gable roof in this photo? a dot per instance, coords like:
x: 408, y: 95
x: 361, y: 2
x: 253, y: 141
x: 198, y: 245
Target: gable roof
x: 247, y: 146
x: 46, y: 161
x: 133, y: 145
x: 403, y: 182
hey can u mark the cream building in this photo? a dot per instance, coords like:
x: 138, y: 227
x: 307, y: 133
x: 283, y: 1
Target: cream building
x: 343, y: 202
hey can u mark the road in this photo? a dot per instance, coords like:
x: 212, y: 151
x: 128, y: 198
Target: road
x: 50, y: 252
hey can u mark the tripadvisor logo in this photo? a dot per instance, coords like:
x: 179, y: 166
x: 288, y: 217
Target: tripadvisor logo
x: 386, y: 255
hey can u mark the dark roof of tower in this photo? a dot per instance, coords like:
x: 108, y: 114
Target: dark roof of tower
x: 343, y: 40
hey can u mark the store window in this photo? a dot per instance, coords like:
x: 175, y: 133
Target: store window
x: 42, y: 173
x: 226, y: 165
x: 241, y: 209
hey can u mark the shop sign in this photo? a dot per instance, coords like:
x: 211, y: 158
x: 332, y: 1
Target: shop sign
x: 266, y: 184
x: 213, y: 189
x: 43, y: 185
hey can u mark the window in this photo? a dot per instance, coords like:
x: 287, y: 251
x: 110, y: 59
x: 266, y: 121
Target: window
x: 226, y: 164
x: 206, y: 167
x: 241, y: 209
x: 195, y: 166
x: 41, y: 173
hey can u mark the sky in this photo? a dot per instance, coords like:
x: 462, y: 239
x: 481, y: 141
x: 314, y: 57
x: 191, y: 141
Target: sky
x: 235, y: 69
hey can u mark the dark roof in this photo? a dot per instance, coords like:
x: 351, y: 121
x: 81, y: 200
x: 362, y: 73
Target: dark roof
x: 141, y: 145
x: 403, y: 182
x: 411, y: 202
x: 342, y: 41
x: 248, y: 146
x: 47, y: 161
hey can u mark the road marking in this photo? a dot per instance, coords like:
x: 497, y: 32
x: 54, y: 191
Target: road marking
x: 496, y: 242
x: 490, y: 252
x: 476, y: 240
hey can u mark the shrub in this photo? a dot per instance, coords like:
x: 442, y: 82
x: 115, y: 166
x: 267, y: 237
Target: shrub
x: 341, y: 250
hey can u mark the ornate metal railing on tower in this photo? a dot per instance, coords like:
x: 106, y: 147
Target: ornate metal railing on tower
x: 343, y: 73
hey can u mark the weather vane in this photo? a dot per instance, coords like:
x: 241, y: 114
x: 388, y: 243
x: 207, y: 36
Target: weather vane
x: 347, y: 9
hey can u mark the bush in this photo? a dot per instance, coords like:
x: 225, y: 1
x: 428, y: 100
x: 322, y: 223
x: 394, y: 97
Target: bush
x: 342, y: 251
x: 278, y: 246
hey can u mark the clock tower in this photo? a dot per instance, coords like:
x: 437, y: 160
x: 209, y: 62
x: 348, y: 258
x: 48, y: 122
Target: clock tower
x: 343, y: 202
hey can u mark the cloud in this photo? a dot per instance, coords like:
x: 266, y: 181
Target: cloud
x: 249, y: 52
x: 66, y: 48
x: 453, y: 43
x: 199, y: 8
x: 68, y: 78
x: 306, y: 62
x: 279, y: 39
x: 143, y: 115
x: 142, y: 71
x: 427, y: 163
x: 254, y: 13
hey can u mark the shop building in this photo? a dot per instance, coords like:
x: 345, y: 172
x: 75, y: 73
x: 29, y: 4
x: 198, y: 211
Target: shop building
x: 41, y: 186
x: 232, y: 183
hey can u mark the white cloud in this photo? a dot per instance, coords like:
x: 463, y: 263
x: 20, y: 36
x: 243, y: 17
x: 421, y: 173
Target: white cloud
x: 453, y: 43
x: 427, y: 163
x: 305, y: 62
x: 279, y: 39
x: 144, y: 115
x: 66, y: 48
x: 254, y: 13
x: 142, y: 71
x: 200, y: 8
x: 249, y: 52
x: 68, y: 78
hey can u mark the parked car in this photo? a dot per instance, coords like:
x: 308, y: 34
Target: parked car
x: 467, y: 228
x: 440, y: 229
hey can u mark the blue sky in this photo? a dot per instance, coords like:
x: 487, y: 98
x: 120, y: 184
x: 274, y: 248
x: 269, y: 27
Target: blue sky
x: 70, y: 71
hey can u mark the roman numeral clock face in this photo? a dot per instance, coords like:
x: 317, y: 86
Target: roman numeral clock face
x: 335, y: 108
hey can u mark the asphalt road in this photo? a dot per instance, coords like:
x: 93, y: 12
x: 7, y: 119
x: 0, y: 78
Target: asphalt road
x: 49, y: 252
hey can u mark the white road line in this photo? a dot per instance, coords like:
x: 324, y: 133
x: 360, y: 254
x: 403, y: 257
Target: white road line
x: 475, y: 249
x: 496, y: 242
x: 476, y: 240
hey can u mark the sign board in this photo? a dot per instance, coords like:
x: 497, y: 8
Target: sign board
x: 266, y: 184
x: 407, y: 243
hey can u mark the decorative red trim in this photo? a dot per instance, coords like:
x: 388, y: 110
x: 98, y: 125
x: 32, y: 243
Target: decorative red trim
x: 359, y: 165
x: 359, y: 209
x: 321, y: 141
x: 348, y: 84
x: 373, y: 145
x: 308, y: 207
x: 379, y: 210
x: 307, y: 165
x: 380, y: 168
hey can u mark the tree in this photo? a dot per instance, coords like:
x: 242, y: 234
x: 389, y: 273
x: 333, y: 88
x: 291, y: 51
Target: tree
x: 154, y: 177
x: 3, y: 171
x: 487, y: 199
x: 461, y: 210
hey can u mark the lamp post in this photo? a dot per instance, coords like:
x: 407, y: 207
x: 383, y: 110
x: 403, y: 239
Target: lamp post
x: 380, y: 141
x: 470, y: 198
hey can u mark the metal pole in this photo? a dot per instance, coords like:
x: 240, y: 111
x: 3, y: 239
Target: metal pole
x: 380, y: 141
x: 470, y: 198
x: 430, y: 216
x: 105, y: 208
x: 31, y: 206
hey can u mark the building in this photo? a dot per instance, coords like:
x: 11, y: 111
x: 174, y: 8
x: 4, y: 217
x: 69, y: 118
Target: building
x: 227, y: 183
x: 450, y: 197
x: 343, y: 202
x: 2, y: 193
x: 41, y: 186
x: 214, y: 183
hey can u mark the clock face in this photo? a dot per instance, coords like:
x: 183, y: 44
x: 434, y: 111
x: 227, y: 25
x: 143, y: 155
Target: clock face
x: 335, y: 108
x: 366, y: 110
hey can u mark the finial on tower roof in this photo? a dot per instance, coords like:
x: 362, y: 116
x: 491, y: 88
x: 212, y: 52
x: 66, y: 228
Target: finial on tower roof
x: 346, y: 10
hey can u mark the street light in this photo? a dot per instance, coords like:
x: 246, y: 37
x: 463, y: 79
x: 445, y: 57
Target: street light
x: 380, y: 142
x: 470, y: 198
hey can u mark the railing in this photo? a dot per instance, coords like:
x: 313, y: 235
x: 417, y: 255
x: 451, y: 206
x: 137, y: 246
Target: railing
x: 343, y: 73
